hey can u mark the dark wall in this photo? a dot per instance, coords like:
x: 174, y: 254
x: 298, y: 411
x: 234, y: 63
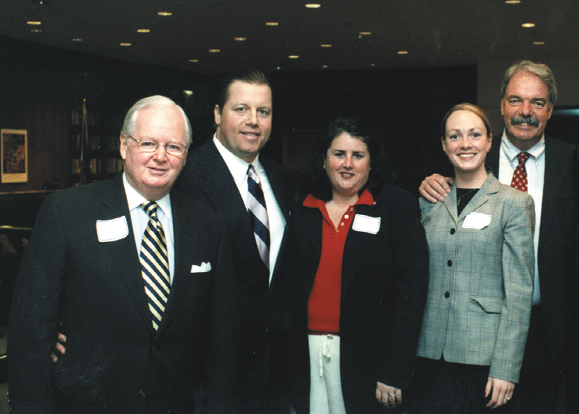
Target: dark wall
x: 40, y: 85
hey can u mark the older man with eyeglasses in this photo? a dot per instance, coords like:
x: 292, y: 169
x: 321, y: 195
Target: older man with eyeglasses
x: 138, y: 278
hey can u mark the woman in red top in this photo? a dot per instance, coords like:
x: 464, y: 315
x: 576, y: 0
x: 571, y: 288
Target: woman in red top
x: 357, y: 274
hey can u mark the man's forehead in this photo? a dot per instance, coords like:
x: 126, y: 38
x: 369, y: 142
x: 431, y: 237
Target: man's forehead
x: 240, y: 87
x: 525, y: 82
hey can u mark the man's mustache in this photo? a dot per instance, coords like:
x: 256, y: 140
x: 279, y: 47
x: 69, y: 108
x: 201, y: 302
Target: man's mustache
x: 529, y: 120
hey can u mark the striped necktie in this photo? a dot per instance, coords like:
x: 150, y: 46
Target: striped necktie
x: 155, y: 264
x: 258, y: 214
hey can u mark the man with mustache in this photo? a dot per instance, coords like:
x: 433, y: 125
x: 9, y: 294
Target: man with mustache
x: 525, y: 157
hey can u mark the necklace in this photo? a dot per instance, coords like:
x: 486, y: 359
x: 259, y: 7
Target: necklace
x: 464, y: 195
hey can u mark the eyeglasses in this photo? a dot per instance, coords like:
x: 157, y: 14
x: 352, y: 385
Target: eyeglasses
x: 149, y: 145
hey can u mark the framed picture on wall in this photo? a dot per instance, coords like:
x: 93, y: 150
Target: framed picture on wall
x: 14, y: 156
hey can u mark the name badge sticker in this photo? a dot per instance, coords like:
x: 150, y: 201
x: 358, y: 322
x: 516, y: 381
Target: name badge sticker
x: 476, y: 221
x: 112, y: 230
x: 366, y: 224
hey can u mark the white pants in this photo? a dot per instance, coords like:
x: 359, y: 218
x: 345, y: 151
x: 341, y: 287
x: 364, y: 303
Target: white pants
x: 326, y: 384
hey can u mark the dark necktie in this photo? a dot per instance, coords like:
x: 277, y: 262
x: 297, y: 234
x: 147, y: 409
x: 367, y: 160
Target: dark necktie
x: 155, y: 264
x: 519, y: 180
x: 258, y: 214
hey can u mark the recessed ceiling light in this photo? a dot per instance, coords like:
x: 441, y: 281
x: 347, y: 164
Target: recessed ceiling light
x: 313, y: 6
x: 125, y: 44
x: 293, y: 57
x: 35, y: 30
x: 326, y: 45
x: 240, y: 39
x: 538, y: 43
x: 194, y: 60
x: 165, y: 13
x: 528, y: 25
x: 513, y: 1
x: 272, y: 24
x: 33, y: 23
x: 365, y: 33
x: 143, y: 30
x: 402, y: 52
x: 214, y: 50
x: 77, y: 39
x: 325, y: 66
x: 373, y: 65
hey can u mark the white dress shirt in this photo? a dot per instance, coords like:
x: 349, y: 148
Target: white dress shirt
x: 535, y: 167
x: 238, y: 169
x: 140, y: 219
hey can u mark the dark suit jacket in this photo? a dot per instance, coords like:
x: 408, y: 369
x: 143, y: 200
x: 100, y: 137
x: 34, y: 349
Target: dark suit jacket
x: 384, y: 284
x: 207, y: 178
x: 115, y: 361
x: 558, y: 219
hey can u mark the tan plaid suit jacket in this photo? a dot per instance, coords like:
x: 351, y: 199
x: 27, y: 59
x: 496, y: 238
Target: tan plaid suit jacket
x: 481, y: 279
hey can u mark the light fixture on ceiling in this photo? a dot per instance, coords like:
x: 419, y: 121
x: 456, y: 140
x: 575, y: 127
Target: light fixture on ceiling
x: 528, y: 25
x: 240, y: 39
x: 143, y: 30
x: 402, y: 52
x: 293, y: 57
x: 165, y: 14
x: 125, y: 44
x: 513, y: 1
x: 77, y: 39
x: 272, y: 24
x: 326, y: 45
x: 214, y: 50
x: 365, y: 33
x: 325, y: 66
x: 313, y: 6
x: 538, y: 43
x: 194, y: 60
x: 33, y: 23
x: 35, y: 30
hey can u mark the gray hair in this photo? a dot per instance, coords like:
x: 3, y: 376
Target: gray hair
x: 151, y: 101
x: 539, y: 69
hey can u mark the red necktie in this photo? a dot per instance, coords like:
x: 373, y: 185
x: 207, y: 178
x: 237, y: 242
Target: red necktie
x: 520, y: 175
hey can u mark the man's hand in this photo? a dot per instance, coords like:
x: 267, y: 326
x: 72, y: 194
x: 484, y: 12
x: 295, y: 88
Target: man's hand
x: 389, y: 397
x: 435, y: 188
x: 59, y: 348
x: 502, y: 392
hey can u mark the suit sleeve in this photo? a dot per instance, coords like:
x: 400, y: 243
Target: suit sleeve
x: 518, y: 274
x: 410, y: 253
x: 34, y: 316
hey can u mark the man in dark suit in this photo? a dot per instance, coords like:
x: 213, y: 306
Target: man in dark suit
x: 217, y: 175
x: 137, y: 277
x: 528, y: 94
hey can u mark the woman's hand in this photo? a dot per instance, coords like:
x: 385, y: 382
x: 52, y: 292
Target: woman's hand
x: 502, y: 392
x: 389, y: 397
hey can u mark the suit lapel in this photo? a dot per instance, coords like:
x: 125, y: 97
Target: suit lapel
x: 185, y: 247
x: 358, y: 243
x: 552, y: 186
x: 219, y: 186
x: 114, y: 205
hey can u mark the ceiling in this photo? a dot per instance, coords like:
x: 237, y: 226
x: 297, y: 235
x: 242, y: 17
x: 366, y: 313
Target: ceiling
x: 435, y: 33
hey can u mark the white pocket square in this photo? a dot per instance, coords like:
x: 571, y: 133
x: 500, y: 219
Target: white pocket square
x: 205, y: 267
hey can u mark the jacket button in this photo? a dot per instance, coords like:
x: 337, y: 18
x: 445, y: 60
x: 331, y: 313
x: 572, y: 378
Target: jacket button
x: 446, y: 295
x: 449, y: 263
x: 452, y: 231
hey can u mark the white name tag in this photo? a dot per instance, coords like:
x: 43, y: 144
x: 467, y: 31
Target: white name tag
x: 112, y: 230
x: 366, y: 224
x: 476, y: 221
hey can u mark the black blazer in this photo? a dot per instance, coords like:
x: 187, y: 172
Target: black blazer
x: 384, y: 284
x: 207, y: 178
x: 115, y: 361
x: 558, y: 220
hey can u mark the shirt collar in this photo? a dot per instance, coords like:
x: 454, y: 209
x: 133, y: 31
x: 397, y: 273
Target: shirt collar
x: 511, y: 151
x: 236, y: 165
x: 366, y: 198
x: 135, y: 199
